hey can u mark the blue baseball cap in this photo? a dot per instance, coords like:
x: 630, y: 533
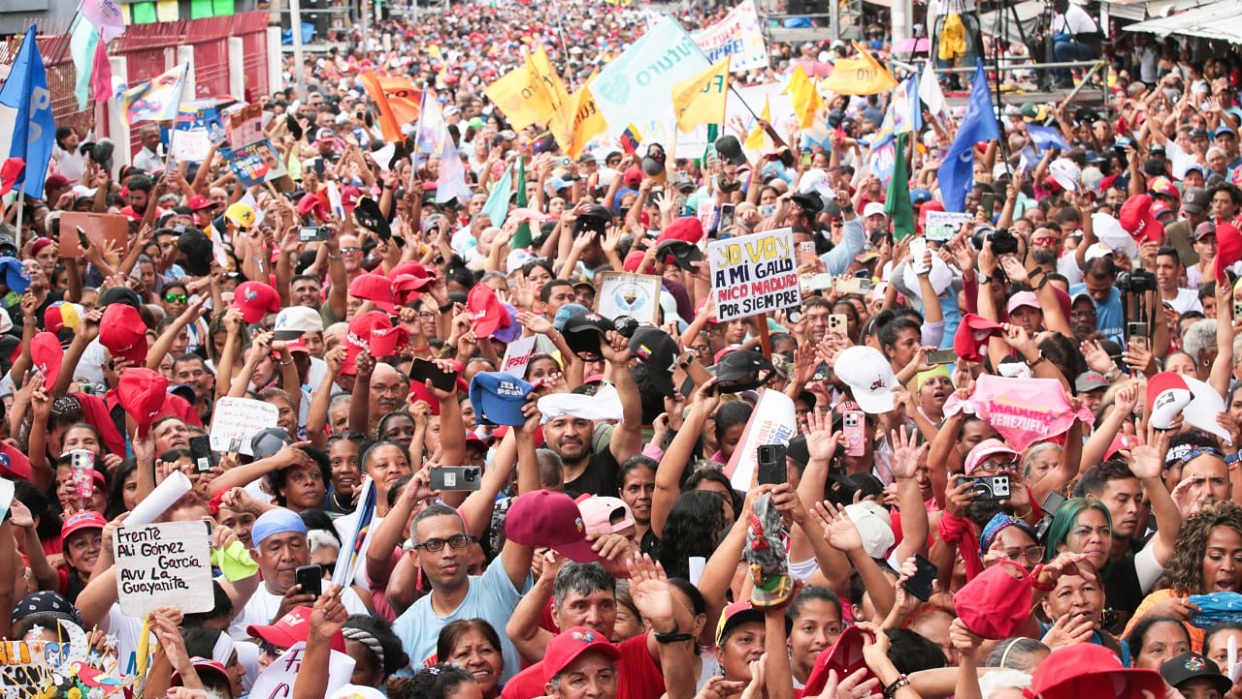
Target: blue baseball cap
x: 920, y: 196
x: 564, y: 312
x: 498, y: 398
x: 277, y: 521
x: 15, y: 275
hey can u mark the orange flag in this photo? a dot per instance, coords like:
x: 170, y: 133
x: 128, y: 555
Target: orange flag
x: 397, y: 101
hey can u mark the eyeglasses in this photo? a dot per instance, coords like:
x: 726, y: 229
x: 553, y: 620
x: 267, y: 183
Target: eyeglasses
x: 996, y: 466
x: 457, y: 541
x: 1046, y: 241
x: 426, y: 315
x: 350, y: 251
x: 1032, y: 554
x: 176, y: 298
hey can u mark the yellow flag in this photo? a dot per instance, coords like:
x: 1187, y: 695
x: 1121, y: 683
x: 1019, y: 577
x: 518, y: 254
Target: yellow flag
x: 859, y: 76
x: 589, y: 122
x: 518, y: 99
x: 804, y: 96
x: 544, y: 77
x: 701, y: 99
x: 758, y: 138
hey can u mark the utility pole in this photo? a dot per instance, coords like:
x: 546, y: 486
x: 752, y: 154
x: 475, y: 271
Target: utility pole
x: 299, y: 65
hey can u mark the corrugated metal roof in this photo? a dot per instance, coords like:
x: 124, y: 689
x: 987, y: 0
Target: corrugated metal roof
x: 1217, y: 20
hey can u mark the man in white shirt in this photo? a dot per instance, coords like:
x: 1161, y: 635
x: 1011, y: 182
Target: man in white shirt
x: 1168, y: 271
x: 1075, y: 36
x: 280, y: 548
x: 148, y: 159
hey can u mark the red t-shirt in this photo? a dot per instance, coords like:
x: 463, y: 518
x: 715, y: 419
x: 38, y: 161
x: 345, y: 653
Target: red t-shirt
x: 638, y: 675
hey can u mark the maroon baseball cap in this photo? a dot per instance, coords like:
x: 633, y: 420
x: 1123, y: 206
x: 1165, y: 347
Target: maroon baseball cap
x: 548, y: 518
x: 122, y: 331
x: 141, y: 393
x: 256, y: 299
x: 375, y: 288
x: 566, y: 647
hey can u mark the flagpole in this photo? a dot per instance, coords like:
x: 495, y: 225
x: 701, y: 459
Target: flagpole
x: 742, y: 100
x: 21, y: 207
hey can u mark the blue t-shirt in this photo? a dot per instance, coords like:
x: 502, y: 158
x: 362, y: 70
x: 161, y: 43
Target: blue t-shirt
x: 491, y: 597
x: 1109, y: 317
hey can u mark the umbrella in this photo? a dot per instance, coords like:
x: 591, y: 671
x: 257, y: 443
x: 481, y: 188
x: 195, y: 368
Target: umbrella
x: 912, y: 46
x: 815, y: 69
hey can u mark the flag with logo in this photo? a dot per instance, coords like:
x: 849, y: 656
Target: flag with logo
x: 660, y: 59
x: 106, y: 16
x: 397, y: 102
x: 904, y: 114
x: 156, y: 100
x: 352, y: 547
x: 26, y: 116
x: 514, y: 95
x: 978, y: 124
x: 451, y: 183
x: 861, y: 75
x: 1045, y: 137
x: 701, y: 98
x: 932, y: 95
x: 738, y: 36
x: 588, y: 120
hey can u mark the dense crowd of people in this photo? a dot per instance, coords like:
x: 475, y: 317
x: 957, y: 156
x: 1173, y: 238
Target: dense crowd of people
x: 1011, y: 458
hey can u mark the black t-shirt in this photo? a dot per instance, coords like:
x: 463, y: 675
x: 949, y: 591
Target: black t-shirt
x: 599, y: 478
x: 1122, y: 592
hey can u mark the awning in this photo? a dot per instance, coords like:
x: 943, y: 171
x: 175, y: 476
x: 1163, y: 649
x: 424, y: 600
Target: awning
x: 1138, y: 10
x: 1218, y: 20
x: 1029, y: 12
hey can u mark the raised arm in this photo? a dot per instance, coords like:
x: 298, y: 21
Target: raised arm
x: 627, y: 437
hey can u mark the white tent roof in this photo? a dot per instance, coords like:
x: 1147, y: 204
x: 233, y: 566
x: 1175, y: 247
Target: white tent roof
x: 1139, y: 10
x: 1218, y: 20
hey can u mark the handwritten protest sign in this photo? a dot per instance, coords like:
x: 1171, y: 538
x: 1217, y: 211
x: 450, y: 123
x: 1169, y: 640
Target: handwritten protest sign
x: 623, y: 294
x: 738, y: 35
x: 517, y: 356
x: 237, y: 420
x: 256, y: 163
x: 944, y: 225
x: 163, y: 565
x: 754, y: 274
x: 278, y: 679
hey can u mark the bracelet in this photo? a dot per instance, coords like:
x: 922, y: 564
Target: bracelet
x: 891, y: 690
x: 334, y: 258
x: 446, y: 307
x: 286, y: 363
x: 1024, y: 515
x: 1034, y: 580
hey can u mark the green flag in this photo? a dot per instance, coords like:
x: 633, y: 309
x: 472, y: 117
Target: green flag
x: 521, y: 239
x: 497, y: 206
x: 897, y: 204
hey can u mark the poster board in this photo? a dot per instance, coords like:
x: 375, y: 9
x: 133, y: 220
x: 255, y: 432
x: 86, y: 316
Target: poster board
x: 99, y: 228
x: 279, y: 677
x: 943, y: 226
x: 754, y: 274
x: 246, y: 124
x: 239, y: 419
x: 256, y: 163
x: 625, y: 294
x: 167, y: 564
x: 517, y: 356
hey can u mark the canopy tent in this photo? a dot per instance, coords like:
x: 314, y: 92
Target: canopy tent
x: 1218, y: 20
x: 1140, y: 10
x: 1028, y: 13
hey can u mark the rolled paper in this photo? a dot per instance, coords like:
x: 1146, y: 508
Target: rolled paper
x: 160, y: 499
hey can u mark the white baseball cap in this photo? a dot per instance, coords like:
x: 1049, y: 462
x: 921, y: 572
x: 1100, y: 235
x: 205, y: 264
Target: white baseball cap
x: 869, y: 377
x: 292, y: 321
x: 874, y: 208
x: 875, y: 527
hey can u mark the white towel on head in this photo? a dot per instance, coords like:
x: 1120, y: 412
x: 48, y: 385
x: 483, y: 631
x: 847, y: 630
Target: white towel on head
x: 604, y: 405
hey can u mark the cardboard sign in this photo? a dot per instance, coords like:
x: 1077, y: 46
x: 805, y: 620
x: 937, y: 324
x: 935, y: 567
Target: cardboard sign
x: 246, y: 124
x: 164, y: 565
x: 754, y: 274
x: 279, y: 677
x: 238, y: 419
x: 517, y: 356
x: 944, y: 225
x: 99, y: 228
x: 624, y: 294
x: 256, y: 163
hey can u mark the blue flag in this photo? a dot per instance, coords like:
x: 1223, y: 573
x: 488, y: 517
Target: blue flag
x: 1045, y: 137
x: 978, y: 124
x: 26, y: 114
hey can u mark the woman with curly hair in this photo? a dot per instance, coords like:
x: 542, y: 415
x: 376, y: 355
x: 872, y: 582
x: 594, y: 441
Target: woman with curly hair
x: 1207, y: 559
x: 440, y: 681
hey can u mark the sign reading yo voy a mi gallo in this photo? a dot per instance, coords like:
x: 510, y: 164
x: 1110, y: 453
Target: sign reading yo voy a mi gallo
x: 754, y: 274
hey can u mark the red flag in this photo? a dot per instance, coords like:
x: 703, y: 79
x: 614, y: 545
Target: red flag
x: 101, y: 74
x: 9, y: 172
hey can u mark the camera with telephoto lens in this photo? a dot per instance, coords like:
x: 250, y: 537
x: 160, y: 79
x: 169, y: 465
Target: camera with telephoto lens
x: 626, y: 326
x: 1003, y: 241
x: 1138, y: 281
x: 988, y: 487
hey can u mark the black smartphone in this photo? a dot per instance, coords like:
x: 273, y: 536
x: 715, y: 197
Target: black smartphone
x: 423, y: 369
x: 772, y: 464
x: 1136, y: 335
x: 201, y: 454
x: 319, y: 167
x: 990, y: 488
x: 920, y: 584
x: 947, y: 356
x: 623, y: 212
x: 988, y: 199
x: 82, y: 240
x: 1052, y: 503
x: 456, y: 478
x: 313, y: 234
x: 310, y: 579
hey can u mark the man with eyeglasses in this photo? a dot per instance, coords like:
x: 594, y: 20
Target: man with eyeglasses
x: 1122, y: 487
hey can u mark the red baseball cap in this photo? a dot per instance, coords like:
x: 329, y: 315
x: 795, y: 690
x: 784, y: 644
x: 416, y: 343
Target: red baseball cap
x: 199, y: 202
x: 1137, y: 219
x: 414, y: 268
x: 633, y: 260
x: 688, y: 229
x: 486, y: 311
x: 972, y: 336
x: 89, y: 519
x: 375, y: 288
x: 845, y: 657
x: 291, y: 628
x: 349, y: 197
x: 46, y: 353
x: 141, y: 393
x: 421, y: 392
x: 14, y: 464
x: 566, y: 647
x: 1088, y: 670
x: 407, y: 287
x: 548, y: 518
x: 256, y: 299
x: 202, y: 667
x: 386, y: 341
x: 122, y: 331
x: 361, y: 329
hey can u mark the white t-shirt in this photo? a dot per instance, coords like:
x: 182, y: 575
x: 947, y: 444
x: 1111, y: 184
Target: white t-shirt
x: 263, y: 605
x: 1186, y: 300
